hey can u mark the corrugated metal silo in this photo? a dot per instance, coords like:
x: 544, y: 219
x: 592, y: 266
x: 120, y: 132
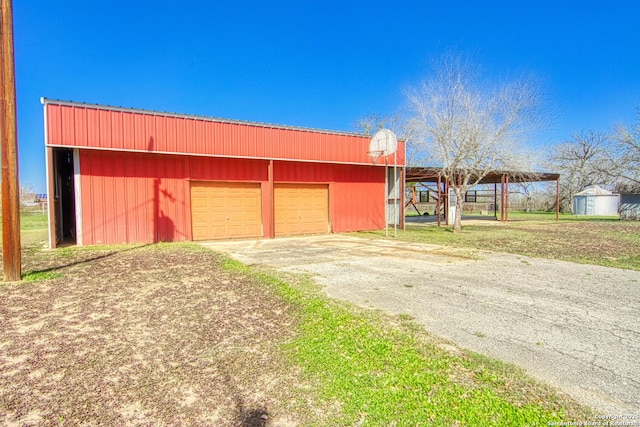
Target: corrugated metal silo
x: 595, y: 201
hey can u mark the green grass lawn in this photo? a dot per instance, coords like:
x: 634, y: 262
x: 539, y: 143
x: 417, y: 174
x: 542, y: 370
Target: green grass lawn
x: 35, y: 220
x: 378, y: 370
x: 603, y: 241
x: 563, y: 217
x: 33, y: 229
x: 383, y: 371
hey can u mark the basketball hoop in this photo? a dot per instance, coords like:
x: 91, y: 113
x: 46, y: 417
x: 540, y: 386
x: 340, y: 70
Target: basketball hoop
x: 384, y: 143
x: 375, y: 155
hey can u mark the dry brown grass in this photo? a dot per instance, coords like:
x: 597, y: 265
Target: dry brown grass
x: 141, y: 336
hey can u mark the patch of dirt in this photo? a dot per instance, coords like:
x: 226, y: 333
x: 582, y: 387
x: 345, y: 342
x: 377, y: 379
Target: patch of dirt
x: 581, y: 239
x: 568, y: 241
x: 156, y: 335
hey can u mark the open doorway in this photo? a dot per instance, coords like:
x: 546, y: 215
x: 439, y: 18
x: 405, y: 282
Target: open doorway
x: 64, y: 196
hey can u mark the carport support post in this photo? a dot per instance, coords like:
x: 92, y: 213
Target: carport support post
x: 506, y: 198
x: 557, y: 200
x: 495, y: 200
x: 502, y: 198
x: 446, y: 202
x: 439, y: 201
x: 501, y: 184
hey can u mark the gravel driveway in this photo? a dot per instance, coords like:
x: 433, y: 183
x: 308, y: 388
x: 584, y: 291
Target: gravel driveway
x: 574, y: 326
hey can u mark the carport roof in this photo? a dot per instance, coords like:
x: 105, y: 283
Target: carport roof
x: 431, y: 174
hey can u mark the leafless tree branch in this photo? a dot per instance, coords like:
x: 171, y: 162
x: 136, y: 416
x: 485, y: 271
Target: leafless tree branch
x: 469, y: 126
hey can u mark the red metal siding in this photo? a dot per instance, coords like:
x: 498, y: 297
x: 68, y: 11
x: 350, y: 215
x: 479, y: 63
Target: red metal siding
x: 357, y: 193
x: 142, y: 198
x: 75, y: 125
x: 134, y: 190
x: 118, y: 139
x: 68, y: 125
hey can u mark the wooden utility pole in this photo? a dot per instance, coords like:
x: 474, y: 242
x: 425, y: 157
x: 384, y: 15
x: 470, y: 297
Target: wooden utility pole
x: 12, y: 262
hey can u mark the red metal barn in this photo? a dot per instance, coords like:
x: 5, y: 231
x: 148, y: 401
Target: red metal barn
x: 118, y: 175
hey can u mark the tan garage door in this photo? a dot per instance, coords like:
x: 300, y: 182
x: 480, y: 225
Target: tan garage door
x: 301, y: 209
x: 223, y: 210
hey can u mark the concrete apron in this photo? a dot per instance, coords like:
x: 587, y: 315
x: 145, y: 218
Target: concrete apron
x: 574, y: 326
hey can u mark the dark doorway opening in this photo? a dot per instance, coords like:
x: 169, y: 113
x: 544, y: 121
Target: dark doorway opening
x: 64, y: 197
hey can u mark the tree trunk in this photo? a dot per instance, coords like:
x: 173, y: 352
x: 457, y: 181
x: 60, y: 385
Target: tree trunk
x: 457, y: 222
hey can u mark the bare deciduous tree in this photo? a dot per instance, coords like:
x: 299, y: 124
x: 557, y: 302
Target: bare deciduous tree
x: 624, y: 156
x: 371, y: 123
x: 27, y: 195
x: 469, y: 126
x: 582, y: 161
x: 527, y: 190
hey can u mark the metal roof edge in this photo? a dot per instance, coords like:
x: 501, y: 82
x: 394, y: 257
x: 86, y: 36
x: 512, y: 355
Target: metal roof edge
x: 46, y: 101
x: 222, y: 156
x: 429, y: 172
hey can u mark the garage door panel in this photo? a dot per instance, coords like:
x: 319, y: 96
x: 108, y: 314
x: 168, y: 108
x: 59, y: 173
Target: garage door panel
x: 235, y: 202
x: 301, y: 209
x: 216, y: 232
x: 198, y: 231
x: 222, y: 210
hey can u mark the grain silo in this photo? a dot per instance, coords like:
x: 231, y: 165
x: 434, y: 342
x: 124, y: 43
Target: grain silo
x: 595, y: 201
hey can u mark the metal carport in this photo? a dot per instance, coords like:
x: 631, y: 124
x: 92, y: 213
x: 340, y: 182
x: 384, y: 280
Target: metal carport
x: 434, y: 175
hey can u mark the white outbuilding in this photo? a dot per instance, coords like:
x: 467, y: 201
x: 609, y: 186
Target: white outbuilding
x: 595, y: 200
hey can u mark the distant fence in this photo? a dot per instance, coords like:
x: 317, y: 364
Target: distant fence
x: 36, y: 207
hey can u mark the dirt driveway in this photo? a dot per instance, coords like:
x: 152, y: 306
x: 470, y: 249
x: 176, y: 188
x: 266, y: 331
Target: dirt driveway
x: 574, y: 326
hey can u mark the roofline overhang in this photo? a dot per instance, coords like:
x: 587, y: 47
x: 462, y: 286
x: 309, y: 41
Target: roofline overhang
x: 434, y: 174
x: 46, y: 101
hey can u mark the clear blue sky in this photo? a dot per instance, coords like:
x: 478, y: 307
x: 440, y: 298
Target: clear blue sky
x: 320, y: 64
